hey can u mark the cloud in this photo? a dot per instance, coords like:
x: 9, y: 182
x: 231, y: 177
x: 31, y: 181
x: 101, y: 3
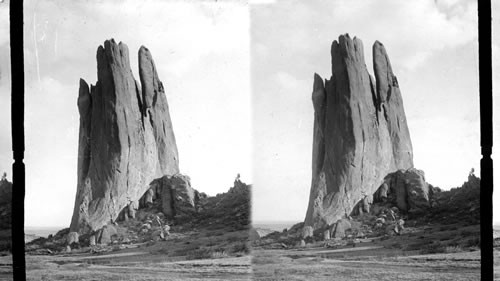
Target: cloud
x: 286, y: 81
x: 190, y: 31
x: 4, y: 24
x: 410, y: 30
x: 260, y: 2
x: 5, y: 112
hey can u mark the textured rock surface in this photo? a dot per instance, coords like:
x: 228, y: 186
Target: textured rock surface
x: 104, y: 235
x: 340, y: 228
x: 126, y: 137
x: 177, y: 195
x: 360, y: 132
x: 307, y: 231
x: 410, y: 189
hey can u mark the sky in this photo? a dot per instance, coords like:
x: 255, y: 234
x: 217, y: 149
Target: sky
x: 432, y: 46
x: 201, y: 51
x: 6, y: 159
x: 238, y: 79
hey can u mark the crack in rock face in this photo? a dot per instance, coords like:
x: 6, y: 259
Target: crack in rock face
x: 121, y: 150
x: 360, y: 132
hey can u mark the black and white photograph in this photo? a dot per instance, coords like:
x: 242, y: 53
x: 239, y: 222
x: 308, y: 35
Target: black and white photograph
x: 137, y: 139
x: 366, y: 140
x: 248, y: 140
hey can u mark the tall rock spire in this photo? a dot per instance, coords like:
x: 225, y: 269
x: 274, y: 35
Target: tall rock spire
x: 360, y: 132
x: 126, y: 137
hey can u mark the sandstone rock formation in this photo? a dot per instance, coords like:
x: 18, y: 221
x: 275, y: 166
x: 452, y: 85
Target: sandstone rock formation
x: 360, y: 132
x: 338, y: 230
x: 409, y: 190
x: 126, y: 137
x: 177, y: 195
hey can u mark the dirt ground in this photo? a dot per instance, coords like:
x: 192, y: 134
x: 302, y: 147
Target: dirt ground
x: 365, y: 262
x: 5, y: 267
x: 135, y: 266
x: 359, y: 263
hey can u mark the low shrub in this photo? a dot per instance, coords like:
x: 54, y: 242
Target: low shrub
x: 453, y: 249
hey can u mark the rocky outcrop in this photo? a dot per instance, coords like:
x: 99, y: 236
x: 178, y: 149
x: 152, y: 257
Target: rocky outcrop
x: 5, y: 214
x: 360, y: 132
x: 126, y: 137
x: 258, y: 233
x: 409, y: 190
x: 5, y: 192
x: 339, y: 229
x: 177, y: 196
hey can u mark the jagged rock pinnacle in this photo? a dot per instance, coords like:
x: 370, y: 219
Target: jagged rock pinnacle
x: 360, y: 132
x: 126, y: 137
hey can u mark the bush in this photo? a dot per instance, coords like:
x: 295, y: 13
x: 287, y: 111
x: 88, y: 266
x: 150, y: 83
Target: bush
x: 453, y: 249
x: 199, y: 254
x: 433, y: 248
x: 240, y: 247
x: 218, y: 254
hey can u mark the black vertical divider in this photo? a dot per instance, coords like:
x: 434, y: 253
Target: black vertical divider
x: 17, y: 118
x: 485, y: 103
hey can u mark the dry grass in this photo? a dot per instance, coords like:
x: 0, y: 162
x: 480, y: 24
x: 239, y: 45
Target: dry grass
x: 140, y: 267
x: 273, y: 265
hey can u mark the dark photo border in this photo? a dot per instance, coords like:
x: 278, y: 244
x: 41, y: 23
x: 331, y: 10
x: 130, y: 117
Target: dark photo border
x: 486, y: 110
x: 17, y: 118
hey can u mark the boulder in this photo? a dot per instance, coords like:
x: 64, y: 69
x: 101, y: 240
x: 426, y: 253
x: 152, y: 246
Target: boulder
x: 401, y: 223
x: 366, y: 203
x: 177, y: 195
x: 146, y: 226
x: 326, y: 234
x: 302, y: 243
x: 341, y: 227
x: 391, y: 215
x: 410, y: 189
x: 381, y: 194
x: 104, y: 236
x: 92, y: 240
x: 126, y: 138
x: 72, y: 238
x: 307, y: 231
x: 360, y: 132
x: 148, y: 197
x: 166, y: 229
x: 132, y: 209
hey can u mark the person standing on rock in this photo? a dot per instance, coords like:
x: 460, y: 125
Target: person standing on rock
x: 237, y: 181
